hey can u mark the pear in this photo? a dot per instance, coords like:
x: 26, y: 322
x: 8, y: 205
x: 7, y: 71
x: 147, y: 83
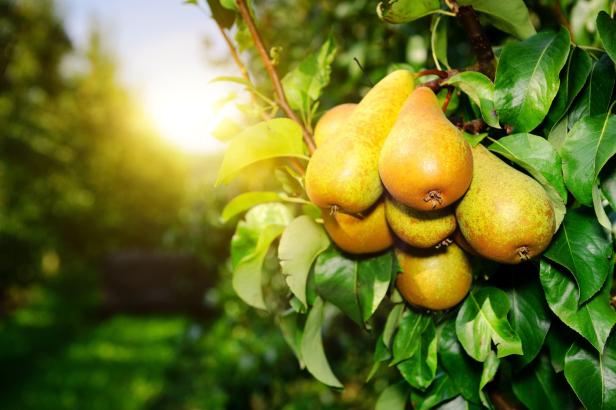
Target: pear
x: 425, y: 162
x: 343, y: 172
x: 461, y: 241
x: 331, y: 123
x: 359, y: 235
x: 434, y: 279
x: 505, y: 216
x: 417, y: 228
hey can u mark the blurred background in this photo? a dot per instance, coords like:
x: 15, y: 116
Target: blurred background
x: 114, y: 282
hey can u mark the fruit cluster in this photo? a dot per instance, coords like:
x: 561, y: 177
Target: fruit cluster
x: 395, y: 163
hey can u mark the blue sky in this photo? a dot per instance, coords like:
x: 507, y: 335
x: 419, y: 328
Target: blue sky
x: 161, y: 59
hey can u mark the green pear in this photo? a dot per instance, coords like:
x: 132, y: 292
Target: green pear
x: 417, y: 228
x: 505, y: 216
x: 343, y: 171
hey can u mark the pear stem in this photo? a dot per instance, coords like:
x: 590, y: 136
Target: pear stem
x: 271, y: 71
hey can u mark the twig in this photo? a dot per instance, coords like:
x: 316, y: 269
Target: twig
x: 271, y: 71
x: 439, y: 73
x: 447, y: 98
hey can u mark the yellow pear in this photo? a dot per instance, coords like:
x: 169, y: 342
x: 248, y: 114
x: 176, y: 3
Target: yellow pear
x: 506, y: 215
x: 434, y: 279
x: 459, y: 239
x: 343, y: 172
x: 359, y: 235
x: 331, y: 123
x: 425, y: 162
x: 418, y: 228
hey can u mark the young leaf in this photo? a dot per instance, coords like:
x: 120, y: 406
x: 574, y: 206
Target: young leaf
x: 441, y: 389
x: 394, y: 397
x: 480, y: 90
x: 529, y: 315
x: 403, y: 11
x: 280, y: 137
x: 407, y: 338
x: 312, y: 347
x: 301, y: 242
x: 527, y: 78
x: 490, y: 367
x: 246, y: 201
x: 582, y: 247
x: 510, y: 16
x: 606, y: 27
x: 419, y: 370
x: 587, y: 148
x: 226, y: 130
x: 540, y: 388
x: 592, y: 375
x: 593, y: 320
x: 482, y: 319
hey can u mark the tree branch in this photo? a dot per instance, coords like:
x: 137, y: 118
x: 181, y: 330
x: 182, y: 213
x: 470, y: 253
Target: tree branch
x: 271, y: 71
x: 479, y: 41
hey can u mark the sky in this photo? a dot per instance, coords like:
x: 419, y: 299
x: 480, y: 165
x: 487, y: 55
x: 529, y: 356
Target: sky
x: 162, y: 60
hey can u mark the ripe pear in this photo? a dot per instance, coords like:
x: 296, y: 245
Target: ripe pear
x: 343, y: 172
x: 425, y: 162
x: 506, y: 215
x: 435, y: 279
x: 461, y: 241
x: 417, y: 228
x: 331, y: 123
x: 359, y: 235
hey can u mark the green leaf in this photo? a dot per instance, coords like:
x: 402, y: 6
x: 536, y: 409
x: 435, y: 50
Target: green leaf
x: 540, y: 388
x: 537, y: 156
x: 474, y: 139
x: 438, y: 40
x: 482, y: 319
x: 246, y: 201
x: 480, y: 90
x: 597, y: 201
x: 403, y: 11
x: 558, y: 341
x: 394, y: 397
x: 457, y: 403
x: 229, y: 4
x: 249, y: 245
x: 464, y: 371
x: 527, y: 78
x: 392, y: 322
x: 582, y: 247
x: 280, y: 137
x: 407, y: 338
x: 592, y: 375
x: 558, y: 134
x: 587, y: 148
x: 510, y: 16
x: 312, y: 347
x: 374, y: 276
x: 596, y: 97
x: 593, y: 320
x: 419, y: 370
x: 572, y: 80
x: 441, y: 389
x: 220, y: 12
x: 606, y: 27
x: 292, y: 334
x: 608, y: 184
x: 490, y: 367
x: 301, y: 242
x: 226, y: 130
x: 529, y: 315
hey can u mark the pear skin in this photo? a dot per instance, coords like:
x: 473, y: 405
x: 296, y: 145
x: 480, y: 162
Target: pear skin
x: 359, y: 235
x: 461, y: 241
x: 425, y: 162
x: 434, y: 279
x: 505, y: 216
x: 419, y: 229
x: 343, y: 172
x: 331, y: 123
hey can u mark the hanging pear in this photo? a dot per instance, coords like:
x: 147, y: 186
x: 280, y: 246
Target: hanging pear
x: 506, y: 215
x: 425, y: 162
x: 331, y: 123
x: 343, y: 172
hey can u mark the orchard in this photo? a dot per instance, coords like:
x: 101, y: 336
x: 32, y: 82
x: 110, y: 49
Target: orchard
x: 461, y: 213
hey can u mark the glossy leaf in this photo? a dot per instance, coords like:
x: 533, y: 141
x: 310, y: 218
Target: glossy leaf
x: 558, y: 341
x: 441, y: 389
x: 482, y: 319
x: 394, y: 397
x: 474, y: 139
x: 593, y: 320
x: 606, y: 27
x: 312, y: 347
x: 280, y: 137
x: 403, y: 11
x: 529, y: 315
x: 480, y: 90
x: 527, y: 78
x: 490, y: 367
x: 246, y: 201
x: 540, y: 388
x: 587, y: 148
x: 510, y: 16
x: 608, y: 183
x: 419, y: 370
x: 597, y: 202
x: 373, y: 278
x: 592, y: 375
x: 391, y: 324
x: 301, y: 242
x: 582, y: 247
x: 407, y: 338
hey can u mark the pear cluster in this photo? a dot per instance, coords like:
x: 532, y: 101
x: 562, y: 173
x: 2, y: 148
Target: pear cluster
x: 394, y: 170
